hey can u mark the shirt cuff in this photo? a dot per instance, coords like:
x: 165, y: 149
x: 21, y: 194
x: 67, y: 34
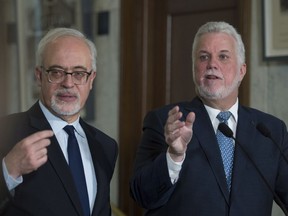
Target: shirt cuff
x: 11, y: 182
x: 174, y: 168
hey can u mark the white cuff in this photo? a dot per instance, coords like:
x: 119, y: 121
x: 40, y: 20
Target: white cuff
x: 10, y: 181
x: 174, y: 168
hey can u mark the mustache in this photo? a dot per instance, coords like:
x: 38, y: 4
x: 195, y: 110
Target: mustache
x: 212, y: 72
x: 66, y: 92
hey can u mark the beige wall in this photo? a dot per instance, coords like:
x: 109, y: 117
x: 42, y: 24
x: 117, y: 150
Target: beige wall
x: 269, y: 80
x: 269, y: 89
x: 107, y: 80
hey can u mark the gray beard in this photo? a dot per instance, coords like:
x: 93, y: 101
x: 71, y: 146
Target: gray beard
x: 219, y: 94
x: 56, y: 107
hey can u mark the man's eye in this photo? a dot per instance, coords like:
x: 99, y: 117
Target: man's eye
x: 223, y: 57
x: 55, y: 72
x: 78, y: 73
x: 203, y: 57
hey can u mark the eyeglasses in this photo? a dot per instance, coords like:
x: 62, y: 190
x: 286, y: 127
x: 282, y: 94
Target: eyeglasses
x: 57, y: 75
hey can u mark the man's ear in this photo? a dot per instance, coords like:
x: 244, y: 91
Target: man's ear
x: 243, y: 70
x: 38, y: 75
x: 91, y: 79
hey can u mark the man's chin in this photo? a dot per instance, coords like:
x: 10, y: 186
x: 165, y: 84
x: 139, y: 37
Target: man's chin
x: 208, y: 94
x: 66, y: 112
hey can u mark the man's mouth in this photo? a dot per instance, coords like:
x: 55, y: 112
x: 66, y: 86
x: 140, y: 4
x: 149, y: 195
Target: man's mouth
x: 67, y: 97
x: 212, y: 77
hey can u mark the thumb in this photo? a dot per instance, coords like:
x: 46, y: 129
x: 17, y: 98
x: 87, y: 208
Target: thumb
x: 190, y: 119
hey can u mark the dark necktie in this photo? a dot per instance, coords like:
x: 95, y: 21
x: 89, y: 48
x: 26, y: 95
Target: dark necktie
x: 226, y: 146
x: 77, y: 170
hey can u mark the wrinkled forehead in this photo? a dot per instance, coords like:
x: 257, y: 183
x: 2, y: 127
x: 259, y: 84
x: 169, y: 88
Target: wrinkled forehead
x: 215, y: 42
x: 67, y: 51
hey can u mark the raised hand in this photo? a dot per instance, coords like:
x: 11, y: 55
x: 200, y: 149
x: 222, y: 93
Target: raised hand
x: 178, y: 133
x: 28, y: 154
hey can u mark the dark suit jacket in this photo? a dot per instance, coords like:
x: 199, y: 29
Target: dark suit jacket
x: 201, y: 188
x: 50, y: 191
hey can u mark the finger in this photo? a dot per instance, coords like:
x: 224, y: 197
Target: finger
x: 35, y: 164
x: 170, y: 138
x: 40, y: 145
x: 35, y: 160
x: 41, y: 153
x: 172, y: 127
x: 41, y: 161
x: 173, y: 110
x: 38, y: 136
x: 190, y: 119
x: 174, y: 116
x: 39, y: 140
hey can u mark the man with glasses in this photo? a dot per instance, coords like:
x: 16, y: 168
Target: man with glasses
x: 41, y: 174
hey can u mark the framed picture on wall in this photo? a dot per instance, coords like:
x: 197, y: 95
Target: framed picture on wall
x: 275, y: 30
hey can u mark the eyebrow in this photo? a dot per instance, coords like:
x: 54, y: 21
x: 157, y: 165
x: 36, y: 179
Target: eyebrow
x: 65, y: 68
x: 221, y: 51
x: 226, y: 51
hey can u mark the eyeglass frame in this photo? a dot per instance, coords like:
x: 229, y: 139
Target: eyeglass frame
x: 87, y: 73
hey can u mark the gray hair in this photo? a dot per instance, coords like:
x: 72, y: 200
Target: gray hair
x: 220, y: 27
x: 55, y: 33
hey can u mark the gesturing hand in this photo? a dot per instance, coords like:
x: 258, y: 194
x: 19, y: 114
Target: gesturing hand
x: 28, y: 154
x: 177, y: 133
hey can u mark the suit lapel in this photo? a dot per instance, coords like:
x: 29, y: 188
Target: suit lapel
x: 99, y: 163
x: 245, y: 135
x: 55, y: 156
x: 204, y: 133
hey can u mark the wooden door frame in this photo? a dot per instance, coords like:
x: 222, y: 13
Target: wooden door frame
x: 141, y: 89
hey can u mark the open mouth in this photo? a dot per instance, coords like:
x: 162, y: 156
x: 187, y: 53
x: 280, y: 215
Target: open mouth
x: 212, y: 77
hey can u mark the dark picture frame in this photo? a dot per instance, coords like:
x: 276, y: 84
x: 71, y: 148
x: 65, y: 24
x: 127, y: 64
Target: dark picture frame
x: 275, y: 30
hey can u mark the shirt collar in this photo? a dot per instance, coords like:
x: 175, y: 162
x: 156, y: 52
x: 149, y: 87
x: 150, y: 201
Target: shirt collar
x: 212, y: 112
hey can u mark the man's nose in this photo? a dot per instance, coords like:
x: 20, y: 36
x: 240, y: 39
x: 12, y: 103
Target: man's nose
x: 212, y: 63
x: 68, y: 81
